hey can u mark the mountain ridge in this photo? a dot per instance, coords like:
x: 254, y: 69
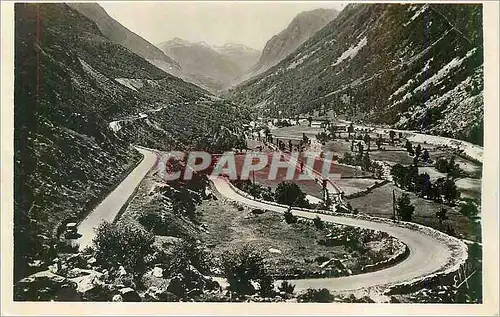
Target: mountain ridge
x: 410, y: 66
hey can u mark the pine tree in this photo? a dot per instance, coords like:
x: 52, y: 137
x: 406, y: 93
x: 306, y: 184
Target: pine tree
x: 405, y: 208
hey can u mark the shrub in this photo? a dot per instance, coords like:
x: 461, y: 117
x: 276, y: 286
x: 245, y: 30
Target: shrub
x: 289, y: 217
x: 243, y: 266
x: 318, y: 223
x: 405, y: 208
x: 288, y: 193
x: 123, y: 244
x: 316, y: 296
x: 469, y: 209
x: 286, y: 287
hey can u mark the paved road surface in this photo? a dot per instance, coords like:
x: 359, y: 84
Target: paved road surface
x: 109, y: 208
x: 427, y: 254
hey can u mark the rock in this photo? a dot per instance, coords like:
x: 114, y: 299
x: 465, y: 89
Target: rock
x: 122, y: 271
x: 87, y: 280
x: 154, y: 294
x: 176, y: 286
x: 273, y: 250
x: 129, y: 295
x: 158, y: 272
x: 117, y: 298
x: 194, y: 292
x: 77, y: 272
x: 257, y: 211
x: 91, y: 261
x: 46, y: 286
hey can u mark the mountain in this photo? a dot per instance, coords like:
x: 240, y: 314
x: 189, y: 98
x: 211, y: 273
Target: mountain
x: 412, y: 66
x: 302, y: 27
x: 71, y: 85
x: 213, y: 68
x: 119, y: 34
x: 244, y: 56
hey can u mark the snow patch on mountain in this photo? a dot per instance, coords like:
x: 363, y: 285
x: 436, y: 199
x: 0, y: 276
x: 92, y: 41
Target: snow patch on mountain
x: 419, y: 12
x: 435, y: 79
x: 133, y: 84
x: 351, y: 51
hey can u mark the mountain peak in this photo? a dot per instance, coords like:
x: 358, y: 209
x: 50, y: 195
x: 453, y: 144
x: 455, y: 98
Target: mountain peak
x: 301, y: 28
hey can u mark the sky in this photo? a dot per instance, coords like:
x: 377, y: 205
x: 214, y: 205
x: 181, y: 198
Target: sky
x: 216, y: 23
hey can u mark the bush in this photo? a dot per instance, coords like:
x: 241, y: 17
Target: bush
x: 188, y: 252
x: 316, y: 296
x: 242, y: 267
x: 405, y: 208
x: 288, y: 193
x: 125, y: 245
x: 318, y: 223
x: 286, y: 287
x: 289, y: 217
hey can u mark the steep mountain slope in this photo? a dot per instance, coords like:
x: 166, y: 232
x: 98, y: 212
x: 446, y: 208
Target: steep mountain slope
x: 70, y: 83
x: 202, y: 64
x: 244, y: 56
x: 119, y: 34
x: 302, y: 27
x: 412, y: 66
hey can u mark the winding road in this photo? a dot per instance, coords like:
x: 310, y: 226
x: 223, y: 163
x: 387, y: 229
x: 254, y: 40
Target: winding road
x: 428, y: 255
x: 110, y: 207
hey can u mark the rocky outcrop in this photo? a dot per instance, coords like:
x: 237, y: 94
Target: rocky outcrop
x: 302, y: 27
x: 45, y: 286
x: 119, y: 34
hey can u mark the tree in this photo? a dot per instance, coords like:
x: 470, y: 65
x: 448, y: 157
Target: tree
x: 366, y: 163
x: 360, y: 149
x: 405, y: 208
x: 267, y: 134
x: 392, y: 134
x: 286, y: 287
x: 441, y: 215
x: 409, y: 147
x: 367, y: 140
x: 123, y: 244
x: 289, y: 217
x: 418, y: 150
x: 305, y: 139
x: 290, y: 194
x: 469, y: 209
x: 350, y: 130
x: 424, y: 185
x: 379, y: 142
x: 425, y: 156
x: 316, y: 296
x: 398, y: 172
x: 244, y: 266
x: 318, y: 223
x: 447, y: 188
x: 347, y: 159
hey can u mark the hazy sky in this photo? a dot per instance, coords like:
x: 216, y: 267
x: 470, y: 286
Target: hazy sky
x: 249, y: 23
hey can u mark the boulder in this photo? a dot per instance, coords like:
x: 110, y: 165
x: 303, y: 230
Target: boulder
x: 157, y: 272
x: 86, y: 279
x: 154, y: 294
x: 176, y: 286
x: 129, y: 295
x: 46, y: 286
x: 117, y: 298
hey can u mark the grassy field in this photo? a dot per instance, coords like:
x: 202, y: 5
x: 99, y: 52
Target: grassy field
x: 379, y: 203
x: 354, y: 185
x: 288, y: 248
